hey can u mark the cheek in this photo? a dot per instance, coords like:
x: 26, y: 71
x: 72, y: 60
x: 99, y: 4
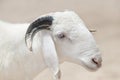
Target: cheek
x: 66, y: 48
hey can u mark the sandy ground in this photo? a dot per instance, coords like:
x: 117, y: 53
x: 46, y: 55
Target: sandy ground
x: 103, y: 15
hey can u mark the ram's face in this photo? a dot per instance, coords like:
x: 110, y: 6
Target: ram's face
x: 74, y: 41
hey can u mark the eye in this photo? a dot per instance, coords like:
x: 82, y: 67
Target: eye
x: 61, y: 35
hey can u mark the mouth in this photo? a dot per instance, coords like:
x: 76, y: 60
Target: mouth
x: 89, y: 68
x: 92, y: 66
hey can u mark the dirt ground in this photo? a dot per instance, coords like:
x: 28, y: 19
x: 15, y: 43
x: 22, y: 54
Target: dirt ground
x: 103, y: 15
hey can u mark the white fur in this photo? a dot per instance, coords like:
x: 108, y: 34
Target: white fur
x: 18, y: 63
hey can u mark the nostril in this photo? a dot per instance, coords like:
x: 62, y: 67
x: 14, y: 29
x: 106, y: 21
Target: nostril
x: 94, y: 60
x: 97, y: 62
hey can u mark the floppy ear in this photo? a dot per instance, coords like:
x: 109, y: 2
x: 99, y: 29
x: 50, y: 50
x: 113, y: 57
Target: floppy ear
x: 50, y: 55
x: 49, y: 51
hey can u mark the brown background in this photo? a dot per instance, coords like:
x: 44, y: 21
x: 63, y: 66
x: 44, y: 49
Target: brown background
x: 103, y: 15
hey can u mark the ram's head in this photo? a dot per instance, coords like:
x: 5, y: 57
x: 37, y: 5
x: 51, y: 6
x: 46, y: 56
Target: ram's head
x: 66, y: 38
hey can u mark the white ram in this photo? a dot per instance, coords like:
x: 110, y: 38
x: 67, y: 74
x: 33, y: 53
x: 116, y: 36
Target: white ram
x: 27, y: 49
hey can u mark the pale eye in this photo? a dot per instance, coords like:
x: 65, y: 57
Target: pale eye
x: 61, y: 35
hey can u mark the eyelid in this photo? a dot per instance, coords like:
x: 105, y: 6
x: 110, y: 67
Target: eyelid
x: 64, y: 38
x: 61, y: 35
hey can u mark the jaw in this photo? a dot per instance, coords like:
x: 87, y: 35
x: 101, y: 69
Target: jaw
x: 88, y: 65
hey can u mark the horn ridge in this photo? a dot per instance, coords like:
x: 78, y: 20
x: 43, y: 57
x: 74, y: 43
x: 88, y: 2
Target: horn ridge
x: 39, y: 24
x: 29, y: 37
x: 44, y: 20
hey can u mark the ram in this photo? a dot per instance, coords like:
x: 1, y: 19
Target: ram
x: 27, y: 49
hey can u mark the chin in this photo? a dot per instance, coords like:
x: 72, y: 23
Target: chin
x: 91, y: 68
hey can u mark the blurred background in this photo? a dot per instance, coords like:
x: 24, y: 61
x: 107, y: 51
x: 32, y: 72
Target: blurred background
x: 102, y: 15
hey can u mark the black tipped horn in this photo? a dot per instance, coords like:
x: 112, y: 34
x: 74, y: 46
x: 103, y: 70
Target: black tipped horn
x: 37, y: 25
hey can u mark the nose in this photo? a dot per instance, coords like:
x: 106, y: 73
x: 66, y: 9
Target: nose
x: 97, y: 61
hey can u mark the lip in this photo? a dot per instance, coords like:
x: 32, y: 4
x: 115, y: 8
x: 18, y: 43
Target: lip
x: 94, y: 67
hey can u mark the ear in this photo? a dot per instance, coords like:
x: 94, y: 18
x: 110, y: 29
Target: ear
x: 50, y: 54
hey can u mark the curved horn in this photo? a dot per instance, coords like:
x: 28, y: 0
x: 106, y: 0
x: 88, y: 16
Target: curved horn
x: 37, y: 25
